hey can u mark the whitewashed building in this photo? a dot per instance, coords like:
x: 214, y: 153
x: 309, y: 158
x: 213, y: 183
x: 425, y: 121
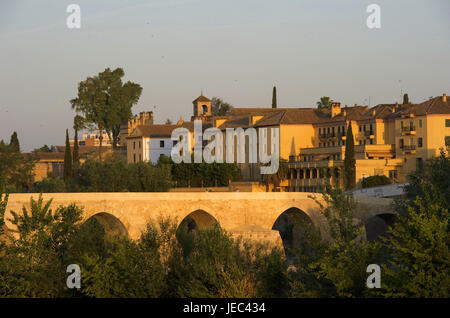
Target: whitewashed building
x: 149, y: 142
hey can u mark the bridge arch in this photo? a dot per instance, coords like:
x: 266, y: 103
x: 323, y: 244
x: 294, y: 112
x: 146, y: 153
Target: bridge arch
x: 377, y: 226
x: 293, y: 225
x: 198, y: 220
x: 112, y: 225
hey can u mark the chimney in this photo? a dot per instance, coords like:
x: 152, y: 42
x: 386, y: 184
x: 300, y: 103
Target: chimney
x: 444, y: 98
x: 335, y: 109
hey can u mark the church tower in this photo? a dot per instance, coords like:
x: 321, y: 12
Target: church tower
x: 202, y: 107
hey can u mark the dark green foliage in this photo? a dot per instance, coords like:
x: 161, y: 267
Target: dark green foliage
x: 105, y: 102
x: 405, y: 99
x: 16, y: 169
x: 50, y: 185
x: 143, y: 177
x: 109, y: 175
x: 215, y: 266
x: 67, y: 158
x: 33, y: 265
x: 44, y: 148
x: 14, y: 142
x: 220, y: 108
x: 324, y: 103
x: 77, y: 125
x: 375, y: 181
x: 419, y: 240
x: 274, y: 97
x: 349, y: 160
x: 204, y: 174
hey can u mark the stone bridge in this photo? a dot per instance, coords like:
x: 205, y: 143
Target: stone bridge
x: 257, y: 216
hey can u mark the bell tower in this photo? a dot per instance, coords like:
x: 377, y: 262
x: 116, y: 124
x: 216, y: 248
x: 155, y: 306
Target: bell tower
x: 202, y: 107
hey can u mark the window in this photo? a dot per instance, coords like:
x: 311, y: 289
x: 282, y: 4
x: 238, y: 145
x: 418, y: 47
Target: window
x: 420, y: 123
x: 371, y: 141
x: 393, y: 174
x: 401, y: 143
x: 139, y: 144
x: 360, y: 128
x: 419, y: 142
x: 320, y: 130
x: 140, y: 157
x: 175, y: 142
x: 419, y: 163
x: 134, y: 146
x: 401, y: 124
x: 161, y: 143
x: 447, y: 123
x: 447, y: 141
x: 134, y: 157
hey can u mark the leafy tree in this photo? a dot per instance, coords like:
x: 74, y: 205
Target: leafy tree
x: 375, y: 181
x: 67, y: 159
x: 405, y: 99
x: 214, y: 266
x: 220, y: 108
x: 147, y: 178
x: 44, y: 148
x: 418, y: 241
x: 324, y: 103
x: 105, y: 102
x: 110, y: 175
x: 341, y: 269
x: 16, y: 169
x: 34, y: 263
x: 274, y: 97
x: 50, y: 184
x: 349, y: 160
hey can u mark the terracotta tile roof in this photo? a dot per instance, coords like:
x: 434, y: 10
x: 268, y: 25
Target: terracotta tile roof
x: 201, y: 98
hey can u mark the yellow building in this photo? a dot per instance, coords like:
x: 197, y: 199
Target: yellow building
x: 390, y: 139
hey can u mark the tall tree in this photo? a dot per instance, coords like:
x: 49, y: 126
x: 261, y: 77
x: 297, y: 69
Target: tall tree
x: 67, y: 158
x: 405, y: 99
x: 324, y: 102
x: 77, y: 125
x: 349, y: 161
x: 14, y: 142
x: 105, y: 102
x: 274, y: 97
x: 220, y: 108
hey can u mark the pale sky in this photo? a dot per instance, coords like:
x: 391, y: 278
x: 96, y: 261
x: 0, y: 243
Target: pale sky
x: 233, y: 49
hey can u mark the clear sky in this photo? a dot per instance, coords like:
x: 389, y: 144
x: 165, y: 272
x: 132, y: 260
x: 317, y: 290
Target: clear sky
x: 234, y: 49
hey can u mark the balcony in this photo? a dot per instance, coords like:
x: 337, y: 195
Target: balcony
x: 369, y: 134
x: 327, y: 135
x: 408, y: 130
x: 409, y: 149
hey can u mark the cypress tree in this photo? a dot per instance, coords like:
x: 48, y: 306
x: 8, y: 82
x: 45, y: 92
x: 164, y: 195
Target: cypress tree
x: 274, y: 97
x: 349, y: 161
x: 76, y: 154
x: 405, y: 99
x: 67, y: 158
x: 14, y: 142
